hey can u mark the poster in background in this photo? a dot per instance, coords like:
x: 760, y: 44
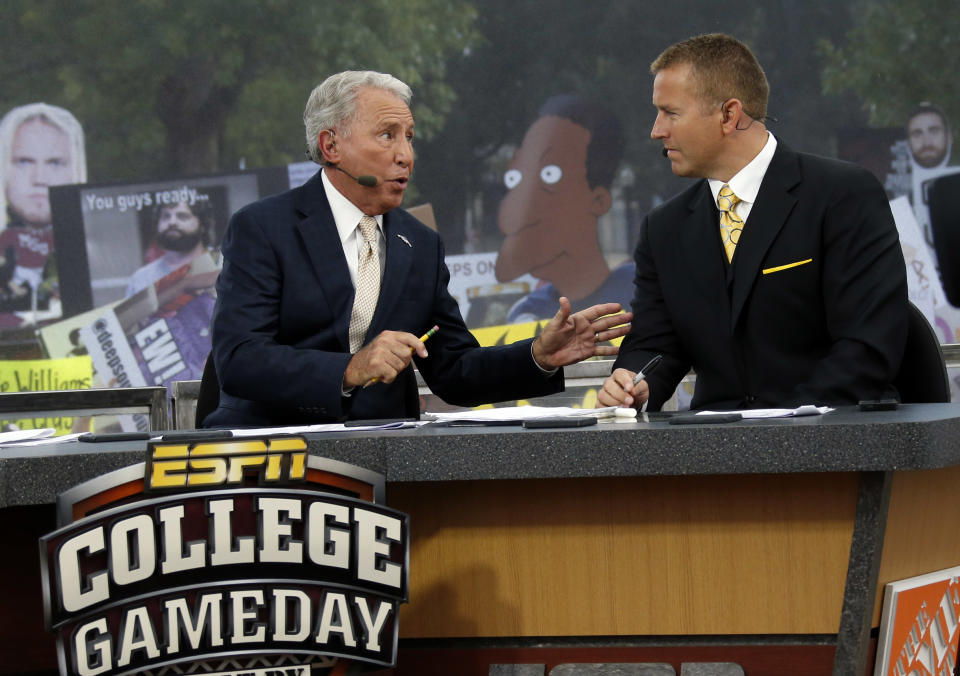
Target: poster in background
x: 40, y: 146
x: 104, y: 235
x: 31, y: 375
x: 160, y: 334
x: 62, y: 339
x: 923, y: 283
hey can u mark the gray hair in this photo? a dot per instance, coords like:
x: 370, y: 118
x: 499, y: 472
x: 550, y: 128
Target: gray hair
x: 333, y: 103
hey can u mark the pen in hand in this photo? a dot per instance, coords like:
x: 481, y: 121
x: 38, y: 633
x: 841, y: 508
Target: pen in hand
x: 647, y: 369
x: 642, y: 374
x: 423, y: 339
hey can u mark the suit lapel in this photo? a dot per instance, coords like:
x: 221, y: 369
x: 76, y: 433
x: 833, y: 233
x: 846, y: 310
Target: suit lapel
x: 767, y: 217
x: 400, y: 256
x: 700, y: 248
x: 322, y: 242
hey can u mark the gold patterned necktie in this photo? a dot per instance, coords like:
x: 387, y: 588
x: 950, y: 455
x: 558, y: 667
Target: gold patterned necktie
x: 731, y: 225
x: 368, y: 282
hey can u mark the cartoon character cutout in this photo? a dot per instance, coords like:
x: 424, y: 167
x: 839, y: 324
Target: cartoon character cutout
x: 559, y: 184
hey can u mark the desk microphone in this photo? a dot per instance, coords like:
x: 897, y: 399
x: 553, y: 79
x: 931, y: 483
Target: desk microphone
x: 365, y: 180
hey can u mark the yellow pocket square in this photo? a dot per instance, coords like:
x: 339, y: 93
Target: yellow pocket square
x: 767, y: 271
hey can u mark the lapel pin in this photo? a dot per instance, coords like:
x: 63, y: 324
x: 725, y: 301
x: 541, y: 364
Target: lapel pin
x: 405, y: 240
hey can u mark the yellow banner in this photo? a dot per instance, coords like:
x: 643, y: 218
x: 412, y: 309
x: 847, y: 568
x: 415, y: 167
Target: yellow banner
x: 510, y: 333
x: 34, y: 375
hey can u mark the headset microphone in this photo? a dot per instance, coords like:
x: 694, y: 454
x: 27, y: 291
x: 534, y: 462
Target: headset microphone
x: 365, y: 180
x: 666, y: 153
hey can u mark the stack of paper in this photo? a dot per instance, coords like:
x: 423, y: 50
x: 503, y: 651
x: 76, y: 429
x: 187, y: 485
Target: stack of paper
x: 517, y: 414
x: 807, y: 409
x: 327, y: 427
x: 21, y: 436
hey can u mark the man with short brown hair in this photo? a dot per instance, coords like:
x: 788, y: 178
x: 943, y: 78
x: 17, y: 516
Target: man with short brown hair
x: 778, y: 277
x: 720, y: 67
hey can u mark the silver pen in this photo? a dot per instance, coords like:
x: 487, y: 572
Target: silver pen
x: 647, y: 369
x: 642, y: 374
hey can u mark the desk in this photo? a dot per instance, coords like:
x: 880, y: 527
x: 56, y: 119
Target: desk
x: 780, y: 529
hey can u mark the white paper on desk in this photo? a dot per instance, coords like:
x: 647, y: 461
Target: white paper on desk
x: 519, y: 413
x: 43, y: 441
x: 329, y: 427
x: 806, y: 409
x: 20, y: 436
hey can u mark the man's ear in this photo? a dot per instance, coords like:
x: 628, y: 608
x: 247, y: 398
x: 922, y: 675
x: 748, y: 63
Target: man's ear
x: 601, y: 201
x: 327, y: 143
x: 732, y: 117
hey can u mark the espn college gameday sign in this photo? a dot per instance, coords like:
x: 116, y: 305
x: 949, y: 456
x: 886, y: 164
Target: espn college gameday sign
x: 244, y: 556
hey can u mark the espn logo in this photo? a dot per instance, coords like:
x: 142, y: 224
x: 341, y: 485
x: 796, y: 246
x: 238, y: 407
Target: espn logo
x: 224, y: 463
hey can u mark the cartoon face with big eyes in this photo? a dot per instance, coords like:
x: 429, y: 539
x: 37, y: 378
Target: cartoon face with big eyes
x: 549, y: 216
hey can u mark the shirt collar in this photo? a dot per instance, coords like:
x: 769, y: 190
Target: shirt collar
x: 745, y: 184
x: 346, y: 214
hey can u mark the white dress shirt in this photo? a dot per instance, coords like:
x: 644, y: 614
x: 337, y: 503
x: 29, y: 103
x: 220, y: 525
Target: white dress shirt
x: 347, y: 216
x: 745, y: 184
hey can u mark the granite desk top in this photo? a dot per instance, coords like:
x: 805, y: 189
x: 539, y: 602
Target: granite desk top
x: 916, y: 436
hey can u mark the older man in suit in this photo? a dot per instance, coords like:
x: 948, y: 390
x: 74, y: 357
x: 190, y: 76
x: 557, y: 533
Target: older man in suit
x: 778, y: 277
x: 325, y: 288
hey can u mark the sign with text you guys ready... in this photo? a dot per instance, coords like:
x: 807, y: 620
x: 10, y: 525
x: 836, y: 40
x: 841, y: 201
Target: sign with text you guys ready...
x: 242, y: 556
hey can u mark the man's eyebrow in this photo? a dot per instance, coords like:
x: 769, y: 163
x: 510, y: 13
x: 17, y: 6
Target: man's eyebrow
x: 394, y: 124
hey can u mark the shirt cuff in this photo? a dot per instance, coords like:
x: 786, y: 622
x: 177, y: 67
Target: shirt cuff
x: 545, y: 372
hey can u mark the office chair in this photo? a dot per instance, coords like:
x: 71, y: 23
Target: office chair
x: 944, y: 202
x: 922, y: 378
x: 209, y: 397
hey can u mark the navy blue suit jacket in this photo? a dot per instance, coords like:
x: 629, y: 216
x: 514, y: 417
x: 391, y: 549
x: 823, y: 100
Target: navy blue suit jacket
x: 284, y: 299
x: 812, y: 310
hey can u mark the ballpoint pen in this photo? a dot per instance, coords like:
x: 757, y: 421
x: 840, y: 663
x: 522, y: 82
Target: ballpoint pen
x: 423, y: 339
x: 647, y: 369
x: 642, y: 374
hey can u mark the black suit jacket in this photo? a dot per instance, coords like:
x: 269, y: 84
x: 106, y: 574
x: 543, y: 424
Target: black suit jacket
x: 284, y: 299
x: 829, y: 329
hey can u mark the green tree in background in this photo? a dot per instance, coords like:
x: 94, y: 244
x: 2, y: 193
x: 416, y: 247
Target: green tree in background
x: 179, y: 87
x: 899, y: 54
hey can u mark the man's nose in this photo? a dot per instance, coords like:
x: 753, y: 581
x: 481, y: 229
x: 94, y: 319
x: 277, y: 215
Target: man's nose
x: 657, y: 132
x: 404, y: 153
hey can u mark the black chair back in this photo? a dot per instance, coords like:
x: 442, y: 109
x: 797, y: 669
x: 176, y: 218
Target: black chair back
x: 923, y: 375
x: 943, y: 196
x: 209, y: 397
